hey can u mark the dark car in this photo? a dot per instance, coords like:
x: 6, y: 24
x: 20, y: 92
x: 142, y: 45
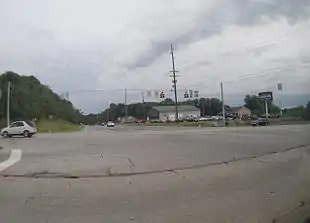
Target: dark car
x: 260, y: 122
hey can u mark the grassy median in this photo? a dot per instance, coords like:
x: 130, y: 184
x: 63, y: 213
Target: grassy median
x: 57, y: 126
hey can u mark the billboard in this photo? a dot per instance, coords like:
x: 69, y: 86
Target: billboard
x: 265, y: 96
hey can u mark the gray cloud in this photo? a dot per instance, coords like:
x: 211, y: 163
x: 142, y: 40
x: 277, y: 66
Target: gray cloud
x: 253, y: 12
x: 116, y: 47
x: 226, y: 12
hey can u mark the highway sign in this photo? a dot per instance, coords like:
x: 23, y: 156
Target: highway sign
x: 265, y: 96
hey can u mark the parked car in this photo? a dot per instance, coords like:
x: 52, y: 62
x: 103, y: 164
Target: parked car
x: 21, y: 128
x: 204, y: 118
x: 192, y: 119
x: 110, y: 124
x: 140, y: 121
x: 215, y: 118
x: 260, y: 122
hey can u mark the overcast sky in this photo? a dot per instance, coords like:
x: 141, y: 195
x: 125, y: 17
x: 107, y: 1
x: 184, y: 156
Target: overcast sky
x: 75, y: 45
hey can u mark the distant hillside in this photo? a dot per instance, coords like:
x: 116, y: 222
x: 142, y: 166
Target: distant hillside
x: 30, y: 99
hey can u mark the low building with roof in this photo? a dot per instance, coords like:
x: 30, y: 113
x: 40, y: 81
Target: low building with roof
x: 167, y: 112
x: 240, y: 112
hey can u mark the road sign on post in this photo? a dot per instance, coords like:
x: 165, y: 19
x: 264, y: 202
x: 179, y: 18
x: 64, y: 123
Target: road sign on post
x: 190, y: 93
x: 196, y: 94
x: 265, y: 96
x: 156, y: 94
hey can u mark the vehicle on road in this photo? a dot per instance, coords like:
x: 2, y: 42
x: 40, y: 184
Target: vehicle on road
x: 260, y: 122
x: 19, y: 128
x: 204, y: 118
x: 140, y: 121
x: 110, y: 124
x: 192, y: 119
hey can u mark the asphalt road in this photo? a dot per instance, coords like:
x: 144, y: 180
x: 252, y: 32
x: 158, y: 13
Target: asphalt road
x: 158, y: 174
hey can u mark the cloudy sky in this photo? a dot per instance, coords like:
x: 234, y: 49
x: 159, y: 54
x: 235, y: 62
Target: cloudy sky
x: 79, y: 46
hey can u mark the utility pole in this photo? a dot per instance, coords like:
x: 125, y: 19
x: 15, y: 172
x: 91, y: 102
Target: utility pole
x: 108, y: 113
x: 126, y: 109
x: 174, y: 81
x: 223, y: 104
x: 8, y: 104
x: 266, y: 108
x: 144, y: 118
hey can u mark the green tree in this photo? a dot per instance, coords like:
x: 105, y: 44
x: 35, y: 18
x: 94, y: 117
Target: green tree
x: 258, y: 107
x: 30, y: 99
x: 306, y: 115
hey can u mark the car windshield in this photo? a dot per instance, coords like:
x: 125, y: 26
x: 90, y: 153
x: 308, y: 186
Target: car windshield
x: 154, y: 111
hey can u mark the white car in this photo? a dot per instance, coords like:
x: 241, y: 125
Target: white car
x: 21, y: 128
x: 204, y: 118
x: 110, y: 124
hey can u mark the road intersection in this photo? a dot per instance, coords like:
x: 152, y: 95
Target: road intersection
x: 157, y: 174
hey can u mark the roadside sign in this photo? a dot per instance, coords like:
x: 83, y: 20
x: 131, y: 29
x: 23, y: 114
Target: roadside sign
x: 196, y: 94
x: 156, y: 93
x: 190, y: 93
x: 148, y: 94
x: 280, y: 87
x: 265, y: 96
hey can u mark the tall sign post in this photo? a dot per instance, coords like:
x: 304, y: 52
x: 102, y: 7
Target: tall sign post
x: 266, y: 97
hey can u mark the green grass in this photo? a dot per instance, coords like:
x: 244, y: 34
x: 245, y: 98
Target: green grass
x: 57, y: 126
x: 183, y: 124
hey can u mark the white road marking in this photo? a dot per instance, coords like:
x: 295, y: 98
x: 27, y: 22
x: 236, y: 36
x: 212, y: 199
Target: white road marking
x: 15, y: 156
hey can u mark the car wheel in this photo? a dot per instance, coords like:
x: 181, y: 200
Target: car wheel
x: 26, y: 133
x: 5, y: 134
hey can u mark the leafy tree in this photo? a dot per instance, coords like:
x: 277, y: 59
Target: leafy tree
x: 306, y: 114
x: 30, y: 99
x: 258, y: 107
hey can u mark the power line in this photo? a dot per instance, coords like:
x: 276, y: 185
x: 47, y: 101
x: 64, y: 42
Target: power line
x: 265, y: 73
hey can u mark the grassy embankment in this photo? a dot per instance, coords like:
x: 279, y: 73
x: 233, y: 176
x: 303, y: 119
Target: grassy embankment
x: 57, y: 126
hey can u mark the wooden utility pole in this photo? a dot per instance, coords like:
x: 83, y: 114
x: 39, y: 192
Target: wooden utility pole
x: 144, y: 118
x: 174, y: 81
x: 126, y: 108
x: 223, y: 104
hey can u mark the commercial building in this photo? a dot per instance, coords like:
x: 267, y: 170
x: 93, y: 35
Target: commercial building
x: 167, y: 113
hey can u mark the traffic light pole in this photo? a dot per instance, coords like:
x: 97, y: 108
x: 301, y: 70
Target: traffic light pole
x: 174, y: 81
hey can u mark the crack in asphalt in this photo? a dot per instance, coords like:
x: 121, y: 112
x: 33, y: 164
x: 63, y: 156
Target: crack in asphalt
x: 52, y: 175
x: 301, y: 204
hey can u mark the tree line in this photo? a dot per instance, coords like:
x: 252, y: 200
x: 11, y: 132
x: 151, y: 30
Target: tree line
x: 32, y: 100
x: 207, y: 106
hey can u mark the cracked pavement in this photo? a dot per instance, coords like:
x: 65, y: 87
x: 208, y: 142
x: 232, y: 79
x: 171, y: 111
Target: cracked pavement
x: 145, y: 174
